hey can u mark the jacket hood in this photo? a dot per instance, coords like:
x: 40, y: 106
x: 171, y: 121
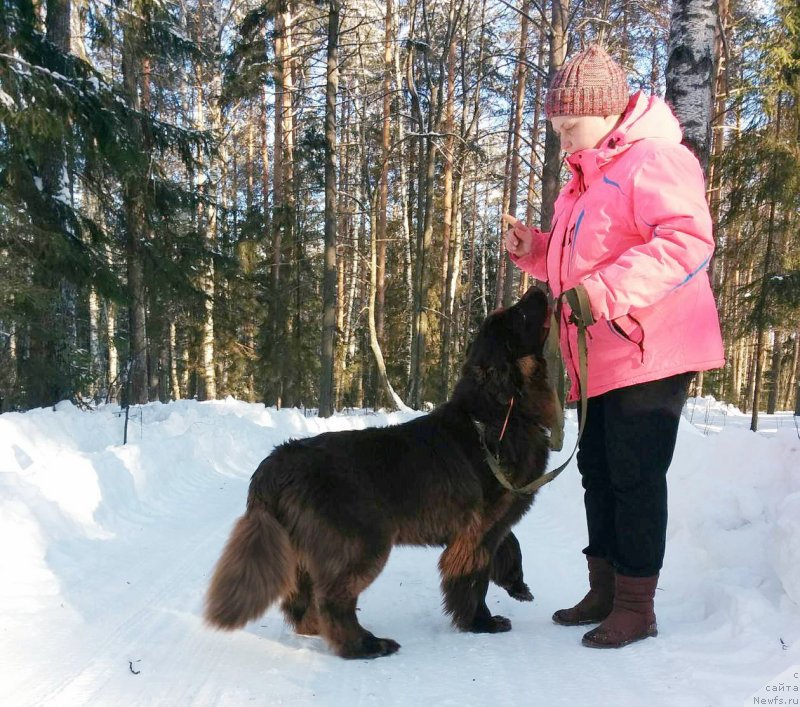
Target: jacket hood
x: 646, y: 117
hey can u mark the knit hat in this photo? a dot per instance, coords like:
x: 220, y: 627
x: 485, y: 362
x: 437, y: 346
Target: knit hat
x: 591, y: 83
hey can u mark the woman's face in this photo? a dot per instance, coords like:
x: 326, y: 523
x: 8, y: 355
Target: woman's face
x: 581, y: 132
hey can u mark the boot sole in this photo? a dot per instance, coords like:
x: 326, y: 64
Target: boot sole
x: 591, y: 644
x: 584, y: 622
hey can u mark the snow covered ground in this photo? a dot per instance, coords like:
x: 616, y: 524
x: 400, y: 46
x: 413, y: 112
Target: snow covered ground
x: 106, y: 551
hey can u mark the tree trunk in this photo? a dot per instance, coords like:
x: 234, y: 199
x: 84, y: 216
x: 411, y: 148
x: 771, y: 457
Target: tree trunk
x: 251, y: 158
x: 383, y: 184
x: 520, y: 83
x: 133, y: 198
x: 760, y: 319
x: 374, y: 344
x: 535, y: 147
x: 775, y: 374
x: 797, y: 372
x: 758, y: 372
x: 552, y: 143
x: 467, y: 320
x: 265, y: 212
x: 174, y: 385
x: 329, y: 278
x: 448, y: 246
x: 424, y: 233
x: 788, y: 399
x: 503, y: 262
x: 51, y: 376
x: 352, y: 235
x: 405, y: 218
x: 207, y: 90
x: 691, y: 78
x: 95, y: 362
x: 484, y: 265
x: 284, y: 205
x: 112, y: 373
x: 691, y: 71
x: 183, y: 370
x: 423, y: 271
x: 550, y: 183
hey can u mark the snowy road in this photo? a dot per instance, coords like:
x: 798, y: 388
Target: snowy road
x: 107, y: 550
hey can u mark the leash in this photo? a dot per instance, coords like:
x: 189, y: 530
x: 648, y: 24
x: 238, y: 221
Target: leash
x: 583, y: 378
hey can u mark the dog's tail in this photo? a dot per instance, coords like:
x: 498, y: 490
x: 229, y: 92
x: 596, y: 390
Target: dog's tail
x: 257, y: 567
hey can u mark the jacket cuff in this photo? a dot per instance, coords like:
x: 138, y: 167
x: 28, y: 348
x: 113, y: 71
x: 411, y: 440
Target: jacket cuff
x: 526, y: 262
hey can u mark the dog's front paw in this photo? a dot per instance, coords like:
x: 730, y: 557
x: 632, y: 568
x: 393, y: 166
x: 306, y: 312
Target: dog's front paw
x: 520, y: 591
x: 492, y: 624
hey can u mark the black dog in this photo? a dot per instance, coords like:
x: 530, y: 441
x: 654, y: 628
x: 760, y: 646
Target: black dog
x: 324, y: 513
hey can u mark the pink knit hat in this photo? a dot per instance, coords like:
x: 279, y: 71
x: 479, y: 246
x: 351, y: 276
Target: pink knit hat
x: 591, y: 83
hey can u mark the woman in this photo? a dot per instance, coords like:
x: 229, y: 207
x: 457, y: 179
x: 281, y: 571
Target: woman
x: 632, y: 231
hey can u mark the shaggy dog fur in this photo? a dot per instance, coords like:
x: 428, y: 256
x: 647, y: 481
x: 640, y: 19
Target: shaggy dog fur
x: 324, y: 513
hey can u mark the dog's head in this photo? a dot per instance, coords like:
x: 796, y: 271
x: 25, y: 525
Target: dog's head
x: 508, y: 335
x: 505, y: 359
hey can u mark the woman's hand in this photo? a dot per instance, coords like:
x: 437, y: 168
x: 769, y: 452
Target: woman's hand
x: 519, y: 237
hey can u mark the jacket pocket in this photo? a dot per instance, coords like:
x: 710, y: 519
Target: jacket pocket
x: 628, y: 329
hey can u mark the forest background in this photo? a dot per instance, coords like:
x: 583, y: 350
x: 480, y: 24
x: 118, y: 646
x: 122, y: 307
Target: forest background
x: 299, y: 202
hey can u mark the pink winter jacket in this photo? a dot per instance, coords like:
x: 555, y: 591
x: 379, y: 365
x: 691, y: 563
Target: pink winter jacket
x: 632, y: 226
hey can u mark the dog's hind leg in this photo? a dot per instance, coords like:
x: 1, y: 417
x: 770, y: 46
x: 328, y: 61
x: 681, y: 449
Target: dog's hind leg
x: 300, y: 608
x: 339, y: 625
x: 464, y: 566
x: 337, y: 597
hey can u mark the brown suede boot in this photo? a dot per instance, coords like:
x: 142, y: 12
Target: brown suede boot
x: 632, y: 618
x: 597, y: 604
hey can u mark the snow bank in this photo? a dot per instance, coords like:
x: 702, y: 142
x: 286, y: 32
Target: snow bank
x: 106, y: 552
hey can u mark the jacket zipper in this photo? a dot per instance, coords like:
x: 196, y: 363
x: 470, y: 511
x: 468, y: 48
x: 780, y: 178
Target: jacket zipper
x: 564, y: 323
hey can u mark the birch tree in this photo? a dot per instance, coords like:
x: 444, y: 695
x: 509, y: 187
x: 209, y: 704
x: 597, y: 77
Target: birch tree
x: 692, y: 71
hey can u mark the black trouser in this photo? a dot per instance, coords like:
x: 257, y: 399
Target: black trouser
x: 623, y: 458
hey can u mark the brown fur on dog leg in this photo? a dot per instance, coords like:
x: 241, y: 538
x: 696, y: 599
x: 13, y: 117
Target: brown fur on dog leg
x: 336, y: 587
x: 299, y: 607
x: 339, y: 625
